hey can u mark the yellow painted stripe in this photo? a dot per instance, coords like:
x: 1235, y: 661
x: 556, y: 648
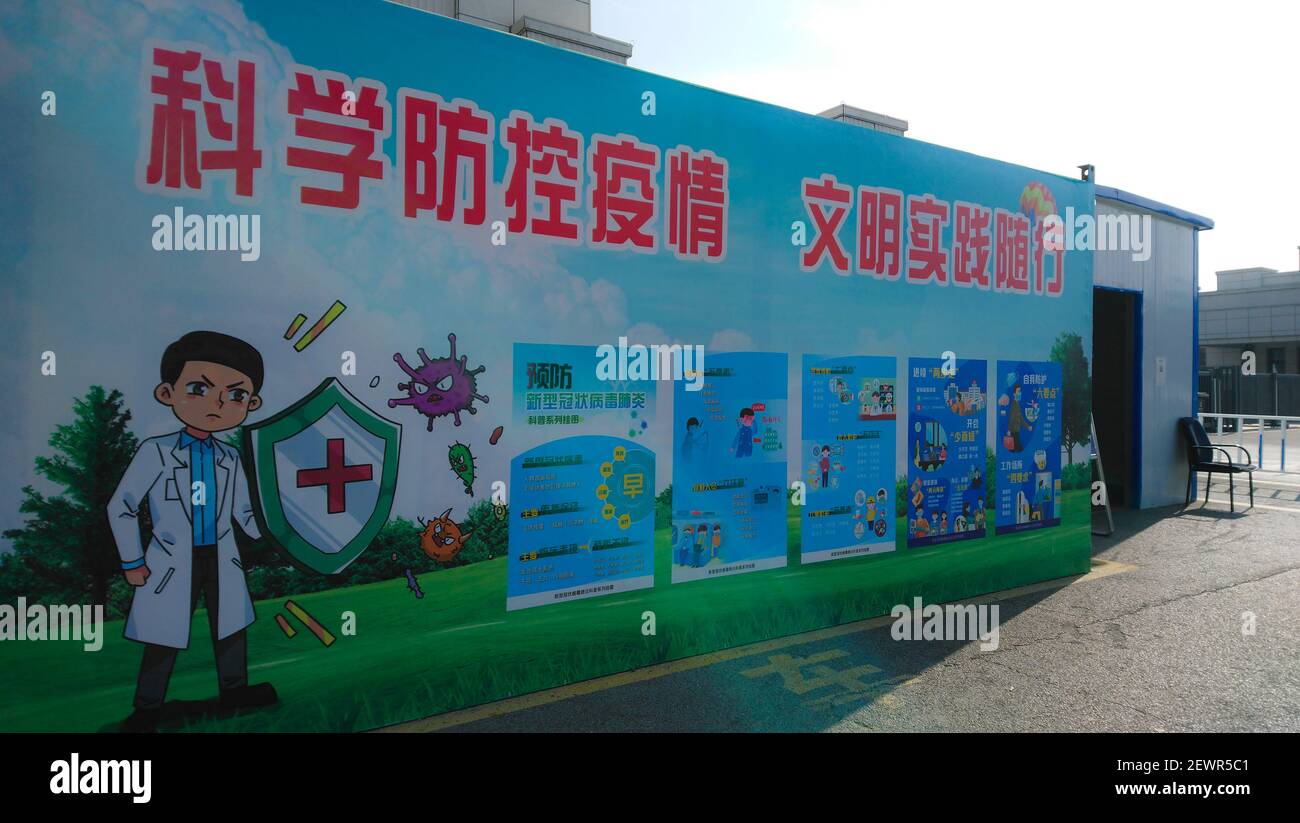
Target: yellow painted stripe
x: 323, y: 634
x: 289, y: 631
x: 1100, y: 569
x: 321, y: 325
x: 294, y: 325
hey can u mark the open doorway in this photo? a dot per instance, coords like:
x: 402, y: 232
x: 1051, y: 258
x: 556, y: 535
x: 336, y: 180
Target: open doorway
x: 1116, y: 390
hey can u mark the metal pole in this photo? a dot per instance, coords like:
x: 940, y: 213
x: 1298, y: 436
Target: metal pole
x: 1261, y: 442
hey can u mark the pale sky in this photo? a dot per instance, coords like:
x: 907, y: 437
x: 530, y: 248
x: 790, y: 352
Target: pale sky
x: 1192, y: 104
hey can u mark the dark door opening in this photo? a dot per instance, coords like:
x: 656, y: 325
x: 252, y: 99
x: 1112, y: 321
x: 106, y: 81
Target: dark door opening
x: 1116, y: 355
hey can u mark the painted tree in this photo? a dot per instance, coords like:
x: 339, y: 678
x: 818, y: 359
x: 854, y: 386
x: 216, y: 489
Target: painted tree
x: 65, y: 549
x: 664, y: 507
x: 1076, y: 390
x: 491, y: 534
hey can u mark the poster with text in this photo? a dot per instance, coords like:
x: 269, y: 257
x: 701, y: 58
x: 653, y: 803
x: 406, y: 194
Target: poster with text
x: 729, y: 468
x: 559, y: 390
x: 582, y: 486
x: 847, y: 462
x: 1029, y: 445
x: 946, y: 486
x: 582, y: 522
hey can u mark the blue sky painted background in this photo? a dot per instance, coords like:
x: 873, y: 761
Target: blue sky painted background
x: 82, y: 279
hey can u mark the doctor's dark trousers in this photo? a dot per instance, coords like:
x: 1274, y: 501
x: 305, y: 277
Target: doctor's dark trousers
x: 231, y: 652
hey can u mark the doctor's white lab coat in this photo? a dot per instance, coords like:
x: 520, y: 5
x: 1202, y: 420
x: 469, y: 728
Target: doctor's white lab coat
x: 160, y: 472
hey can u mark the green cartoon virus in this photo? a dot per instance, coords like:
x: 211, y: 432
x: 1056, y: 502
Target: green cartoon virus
x: 462, y: 465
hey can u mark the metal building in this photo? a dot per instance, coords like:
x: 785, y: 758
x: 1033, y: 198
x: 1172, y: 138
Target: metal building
x: 1145, y: 352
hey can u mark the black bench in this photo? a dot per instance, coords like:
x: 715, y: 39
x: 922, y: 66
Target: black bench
x: 1202, y: 456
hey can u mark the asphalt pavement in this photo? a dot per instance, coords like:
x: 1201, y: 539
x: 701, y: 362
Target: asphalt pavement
x: 1190, y: 621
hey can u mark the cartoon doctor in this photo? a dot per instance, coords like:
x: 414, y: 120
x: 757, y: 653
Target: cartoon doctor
x: 193, y: 487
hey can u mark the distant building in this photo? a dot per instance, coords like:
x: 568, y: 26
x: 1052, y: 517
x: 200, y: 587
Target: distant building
x: 1253, y: 310
x: 562, y: 23
x: 866, y: 119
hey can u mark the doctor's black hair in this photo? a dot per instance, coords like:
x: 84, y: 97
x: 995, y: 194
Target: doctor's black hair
x: 212, y: 347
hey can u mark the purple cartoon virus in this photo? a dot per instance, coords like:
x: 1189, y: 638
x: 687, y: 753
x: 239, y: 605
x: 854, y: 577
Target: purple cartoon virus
x: 440, y: 387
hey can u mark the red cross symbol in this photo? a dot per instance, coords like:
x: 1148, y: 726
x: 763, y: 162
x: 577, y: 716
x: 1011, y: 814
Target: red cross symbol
x: 335, y: 475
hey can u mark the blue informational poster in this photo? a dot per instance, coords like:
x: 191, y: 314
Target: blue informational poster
x: 1029, y: 445
x: 847, y: 456
x: 729, y: 468
x: 582, y: 522
x: 946, y: 486
x: 581, y: 502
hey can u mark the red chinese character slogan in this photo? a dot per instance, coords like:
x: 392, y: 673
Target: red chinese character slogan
x: 340, y: 136
x: 175, y: 159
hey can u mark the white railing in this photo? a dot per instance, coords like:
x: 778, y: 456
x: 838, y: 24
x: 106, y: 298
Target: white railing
x: 1267, y: 433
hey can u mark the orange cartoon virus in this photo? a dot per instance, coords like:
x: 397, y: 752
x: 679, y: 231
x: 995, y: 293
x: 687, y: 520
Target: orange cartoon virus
x: 442, y: 540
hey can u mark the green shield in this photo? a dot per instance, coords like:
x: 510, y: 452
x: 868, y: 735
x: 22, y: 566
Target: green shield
x: 324, y: 472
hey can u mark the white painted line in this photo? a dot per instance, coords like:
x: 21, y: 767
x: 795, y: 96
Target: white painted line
x: 268, y: 664
x: 1261, y: 483
x: 618, y: 603
x: 471, y: 626
x: 1244, y: 506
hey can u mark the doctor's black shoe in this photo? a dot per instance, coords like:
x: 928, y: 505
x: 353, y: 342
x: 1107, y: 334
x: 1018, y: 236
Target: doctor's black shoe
x: 142, y: 720
x: 249, y: 697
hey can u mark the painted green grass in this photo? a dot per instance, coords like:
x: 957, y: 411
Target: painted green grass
x: 459, y: 647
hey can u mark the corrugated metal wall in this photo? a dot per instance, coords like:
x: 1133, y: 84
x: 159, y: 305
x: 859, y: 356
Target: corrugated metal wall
x: 1166, y: 282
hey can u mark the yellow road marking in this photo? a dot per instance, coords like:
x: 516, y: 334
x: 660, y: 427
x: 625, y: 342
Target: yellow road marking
x: 1100, y: 569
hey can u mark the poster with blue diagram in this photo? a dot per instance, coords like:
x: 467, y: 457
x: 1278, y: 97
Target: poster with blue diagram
x: 582, y: 479
x: 729, y: 467
x: 582, y: 521
x: 946, y: 486
x: 1029, y: 445
x: 847, y: 456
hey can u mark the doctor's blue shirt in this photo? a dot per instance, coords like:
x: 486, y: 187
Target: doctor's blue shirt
x: 203, y: 469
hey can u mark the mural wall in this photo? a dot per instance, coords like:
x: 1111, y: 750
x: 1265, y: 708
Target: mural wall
x: 450, y: 366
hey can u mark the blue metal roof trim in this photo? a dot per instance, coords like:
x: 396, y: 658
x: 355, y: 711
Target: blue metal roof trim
x: 1127, y: 198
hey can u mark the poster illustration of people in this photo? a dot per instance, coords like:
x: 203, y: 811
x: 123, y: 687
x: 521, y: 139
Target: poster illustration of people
x: 729, y: 498
x: 1029, y: 445
x: 848, y: 456
x: 945, y: 451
